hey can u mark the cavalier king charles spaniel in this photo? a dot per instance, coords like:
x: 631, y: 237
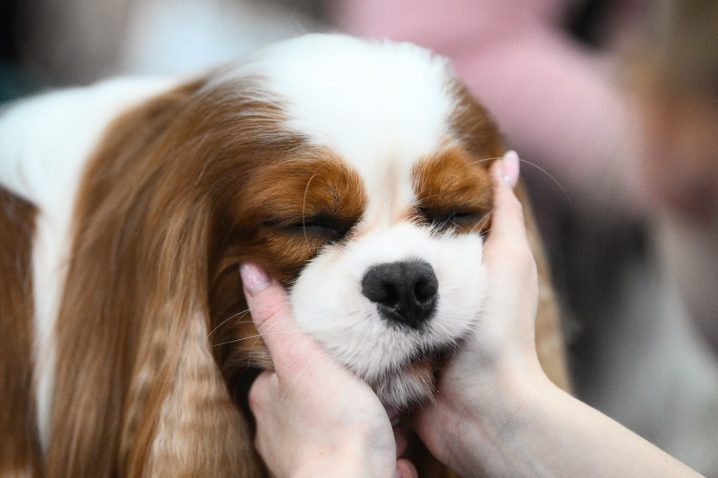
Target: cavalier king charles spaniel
x: 354, y: 172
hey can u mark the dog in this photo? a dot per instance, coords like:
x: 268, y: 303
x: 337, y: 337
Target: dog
x: 354, y: 172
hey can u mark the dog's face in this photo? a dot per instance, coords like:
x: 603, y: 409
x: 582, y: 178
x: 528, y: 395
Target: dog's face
x: 371, y: 211
x: 405, y: 283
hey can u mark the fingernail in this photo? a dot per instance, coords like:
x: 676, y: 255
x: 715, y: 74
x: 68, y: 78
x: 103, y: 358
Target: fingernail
x: 255, y: 280
x: 398, y: 473
x: 510, y: 168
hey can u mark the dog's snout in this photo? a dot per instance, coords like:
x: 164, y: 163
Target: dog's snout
x: 405, y: 292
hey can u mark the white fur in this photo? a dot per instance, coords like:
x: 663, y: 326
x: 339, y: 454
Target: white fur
x: 341, y: 318
x: 381, y: 107
x: 45, y: 143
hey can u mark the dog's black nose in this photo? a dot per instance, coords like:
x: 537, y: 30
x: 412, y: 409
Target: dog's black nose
x: 405, y: 292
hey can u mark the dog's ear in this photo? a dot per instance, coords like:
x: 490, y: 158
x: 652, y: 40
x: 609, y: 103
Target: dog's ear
x: 179, y: 416
x: 138, y: 391
x: 20, y: 453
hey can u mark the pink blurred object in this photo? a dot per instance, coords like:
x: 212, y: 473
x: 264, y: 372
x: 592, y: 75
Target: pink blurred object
x: 554, y: 100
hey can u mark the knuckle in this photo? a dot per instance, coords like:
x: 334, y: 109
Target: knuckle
x: 296, y: 356
x: 264, y: 313
x: 257, y: 394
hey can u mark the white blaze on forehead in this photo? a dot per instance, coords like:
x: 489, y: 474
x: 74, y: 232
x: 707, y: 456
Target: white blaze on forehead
x: 380, y: 106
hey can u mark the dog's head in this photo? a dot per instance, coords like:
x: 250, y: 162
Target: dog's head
x: 355, y: 173
x: 371, y: 205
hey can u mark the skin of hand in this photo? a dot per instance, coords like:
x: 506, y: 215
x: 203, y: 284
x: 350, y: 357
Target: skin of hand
x: 314, y: 418
x: 502, y: 348
x: 496, y: 413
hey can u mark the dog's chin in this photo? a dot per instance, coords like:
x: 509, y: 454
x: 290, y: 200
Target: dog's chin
x: 402, y: 390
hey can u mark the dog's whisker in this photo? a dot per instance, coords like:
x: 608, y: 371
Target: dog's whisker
x: 266, y: 332
x: 304, y: 204
x: 256, y: 337
x: 227, y: 320
x: 552, y: 178
x: 245, y: 311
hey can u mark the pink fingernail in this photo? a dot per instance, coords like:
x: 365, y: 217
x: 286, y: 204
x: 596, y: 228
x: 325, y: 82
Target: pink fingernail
x: 510, y: 168
x: 253, y: 277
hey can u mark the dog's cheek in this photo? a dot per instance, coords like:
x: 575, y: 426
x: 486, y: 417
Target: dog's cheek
x: 462, y: 285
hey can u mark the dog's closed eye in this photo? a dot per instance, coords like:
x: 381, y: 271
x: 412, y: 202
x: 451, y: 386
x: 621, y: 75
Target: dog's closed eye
x: 454, y: 217
x: 323, y: 226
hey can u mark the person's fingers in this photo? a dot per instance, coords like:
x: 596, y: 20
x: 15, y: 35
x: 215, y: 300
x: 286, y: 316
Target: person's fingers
x: 266, y: 299
x: 507, y: 169
x: 270, y: 311
x: 405, y: 469
x: 508, y: 217
x: 259, y: 399
x: 259, y: 392
x: 508, y: 229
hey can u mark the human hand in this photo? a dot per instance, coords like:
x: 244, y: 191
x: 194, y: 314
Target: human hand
x: 314, y: 418
x: 502, y: 352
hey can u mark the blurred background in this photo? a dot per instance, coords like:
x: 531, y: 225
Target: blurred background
x: 612, y: 104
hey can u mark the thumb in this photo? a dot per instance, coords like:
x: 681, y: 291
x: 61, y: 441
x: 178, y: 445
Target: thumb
x: 271, y: 313
x: 508, y: 229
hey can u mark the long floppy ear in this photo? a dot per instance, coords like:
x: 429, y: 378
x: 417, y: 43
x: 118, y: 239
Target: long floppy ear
x: 19, y: 447
x: 137, y: 391
x: 179, y: 418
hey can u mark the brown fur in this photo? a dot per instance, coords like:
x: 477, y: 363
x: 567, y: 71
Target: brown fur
x: 19, y: 449
x: 182, y: 190
x: 134, y: 363
x: 455, y: 178
x: 154, y: 348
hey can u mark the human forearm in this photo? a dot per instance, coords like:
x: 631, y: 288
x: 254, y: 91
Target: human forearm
x: 532, y: 428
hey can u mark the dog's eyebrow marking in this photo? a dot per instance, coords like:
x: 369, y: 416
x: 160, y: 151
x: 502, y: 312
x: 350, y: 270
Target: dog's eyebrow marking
x: 452, y: 179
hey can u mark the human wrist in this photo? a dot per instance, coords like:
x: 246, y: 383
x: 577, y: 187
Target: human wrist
x: 490, y: 413
x: 347, y: 460
x: 509, y: 373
